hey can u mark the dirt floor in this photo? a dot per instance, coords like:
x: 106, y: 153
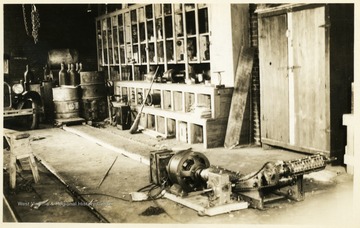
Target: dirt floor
x: 81, y: 164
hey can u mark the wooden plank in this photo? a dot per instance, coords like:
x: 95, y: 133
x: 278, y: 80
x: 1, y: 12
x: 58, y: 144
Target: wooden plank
x: 59, y: 122
x: 136, y: 157
x: 293, y: 147
x: 214, y: 136
x: 200, y: 204
x: 239, y: 98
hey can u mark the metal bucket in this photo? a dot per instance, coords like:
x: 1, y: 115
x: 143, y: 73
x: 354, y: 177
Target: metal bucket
x: 153, y: 99
x: 66, y: 102
x: 92, y: 84
x: 94, y: 109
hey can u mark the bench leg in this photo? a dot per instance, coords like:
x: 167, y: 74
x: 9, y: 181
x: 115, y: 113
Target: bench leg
x: 12, y: 169
x: 34, y: 168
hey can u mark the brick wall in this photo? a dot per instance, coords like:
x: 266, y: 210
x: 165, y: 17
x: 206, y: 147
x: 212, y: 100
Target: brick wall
x: 255, y: 86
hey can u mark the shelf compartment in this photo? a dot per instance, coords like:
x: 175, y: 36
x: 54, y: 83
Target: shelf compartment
x: 149, y: 11
x: 150, y: 122
x: 166, y: 101
x: 189, y: 102
x: 196, y: 134
x: 160, y: 51
x: 182, y: 131
x: 203, y: 20
x: 151, y: 51
x: 192, y: 49
x: 204, y: 100
x: 177, y: 101
x: 170, y: 51
x: 170, y: 127
x: 168, y: 27
x: 142, y: 32
x: 160, y: 125
x: 158, y: 10
x: 204, y: 48
x: 150, y: 30
x: 178, y: 22
x: 159, y: 29
x: 180, y: 50
x: 190, y: 23
x: 167, y: 9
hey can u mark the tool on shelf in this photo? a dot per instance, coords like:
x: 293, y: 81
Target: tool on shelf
x: 135, y: 125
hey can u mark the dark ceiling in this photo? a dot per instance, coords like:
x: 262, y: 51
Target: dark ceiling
x: 61, y: 26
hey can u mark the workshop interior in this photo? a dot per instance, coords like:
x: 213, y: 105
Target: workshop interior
x: 178, y: 113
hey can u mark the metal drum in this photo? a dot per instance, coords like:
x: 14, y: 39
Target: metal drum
x: 66, y: 102
x: 92, y: 84
x: 93, y: 100
x: 47, y: 88
x: 94, y: 109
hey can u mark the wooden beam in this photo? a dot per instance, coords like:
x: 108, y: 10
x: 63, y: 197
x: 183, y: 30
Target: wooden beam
x: 239, y: 97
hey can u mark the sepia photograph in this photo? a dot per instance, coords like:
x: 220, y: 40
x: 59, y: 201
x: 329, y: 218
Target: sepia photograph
x: 180, y: 113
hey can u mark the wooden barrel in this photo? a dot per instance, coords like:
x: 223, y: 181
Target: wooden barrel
x: 66, y: 102
x: 93, y: 100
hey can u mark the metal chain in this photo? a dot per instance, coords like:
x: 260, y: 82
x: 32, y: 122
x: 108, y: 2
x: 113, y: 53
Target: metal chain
x: 25, y: 21
x: 35, y: 19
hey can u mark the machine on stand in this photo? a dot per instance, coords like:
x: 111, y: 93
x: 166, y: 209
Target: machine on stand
x: 188, y: 178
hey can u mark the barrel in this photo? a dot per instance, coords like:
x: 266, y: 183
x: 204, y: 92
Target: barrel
x: 47, y: 96
x: 92, y: 84
x: 66, y: 102
x: 93, y: 100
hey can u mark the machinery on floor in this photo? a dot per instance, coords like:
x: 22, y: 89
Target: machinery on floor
x: 21, y: 104
x: 188, y: 174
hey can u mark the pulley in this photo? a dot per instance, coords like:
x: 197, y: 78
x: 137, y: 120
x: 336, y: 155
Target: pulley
x: 184, y: 169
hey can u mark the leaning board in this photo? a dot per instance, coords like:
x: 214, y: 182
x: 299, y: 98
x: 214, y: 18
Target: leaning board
x: 239, y: 97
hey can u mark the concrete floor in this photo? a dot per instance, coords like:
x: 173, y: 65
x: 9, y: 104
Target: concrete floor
x: 81, y: 163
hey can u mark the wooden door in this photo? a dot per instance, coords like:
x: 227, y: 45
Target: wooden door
x: 273, y: 56
x: 311, y: 79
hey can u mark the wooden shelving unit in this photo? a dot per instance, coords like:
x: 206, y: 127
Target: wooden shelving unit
x: 136, y: 40
x: 193, y: 114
